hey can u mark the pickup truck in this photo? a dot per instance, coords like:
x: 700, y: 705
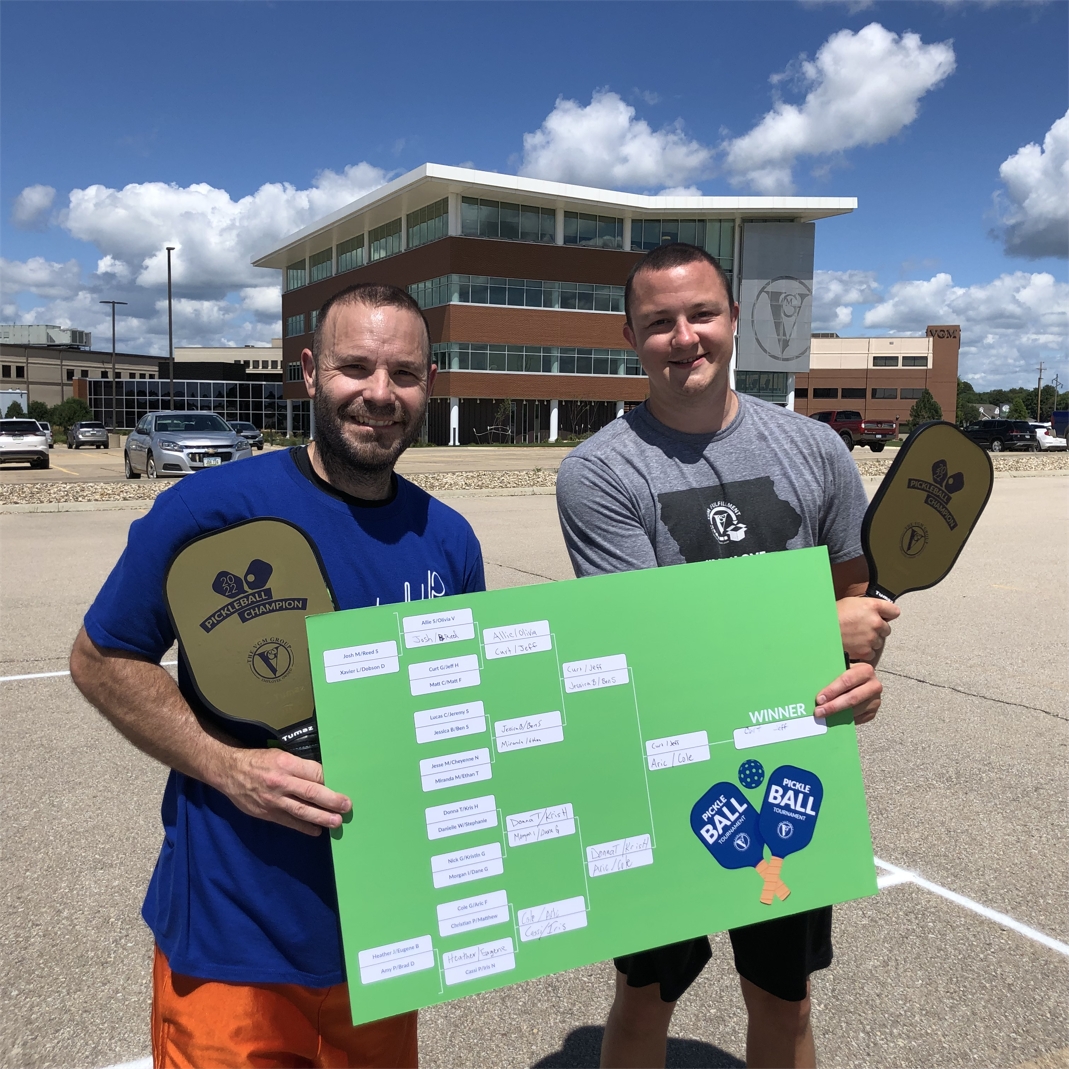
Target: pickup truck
x: 854, y: 430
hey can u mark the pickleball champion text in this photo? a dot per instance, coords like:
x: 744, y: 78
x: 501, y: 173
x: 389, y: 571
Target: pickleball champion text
x: 698, y: 472
x: 242, y: 904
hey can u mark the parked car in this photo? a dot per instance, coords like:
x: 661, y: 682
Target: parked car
x: 1002, y: 434
x: 848, y: 424
x: 87, y: 432
x: 180, y: 443
x: 250, y: 433
x: 23, y: 440
x: 47, y: 428
x: 1047, y: 438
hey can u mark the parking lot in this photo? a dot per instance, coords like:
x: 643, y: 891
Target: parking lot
x: 961, y: 960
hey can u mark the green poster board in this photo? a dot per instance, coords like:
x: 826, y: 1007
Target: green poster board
x: 548, y: 776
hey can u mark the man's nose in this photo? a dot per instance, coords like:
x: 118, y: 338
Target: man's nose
x: 378, y: 388
x: 683, y: 334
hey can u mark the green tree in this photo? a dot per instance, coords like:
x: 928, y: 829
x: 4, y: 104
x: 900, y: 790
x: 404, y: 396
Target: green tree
x: 925, y: 408
x: 38, y: 410
x: 1017, y: 409
x: 968, y: 399
x: 14, y: 410
x: 69, y: 412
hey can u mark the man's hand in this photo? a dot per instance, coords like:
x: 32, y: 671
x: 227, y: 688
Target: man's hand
x: 857, y: 688
x: 865, y: 624
x: 275, y: 785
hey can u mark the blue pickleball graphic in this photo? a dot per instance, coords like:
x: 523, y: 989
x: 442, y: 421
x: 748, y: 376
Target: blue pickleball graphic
x: 751, y: 774
x: 790, y: 809
x: 727, y: 826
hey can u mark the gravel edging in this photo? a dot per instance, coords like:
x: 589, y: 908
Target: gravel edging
x: 38, y: 497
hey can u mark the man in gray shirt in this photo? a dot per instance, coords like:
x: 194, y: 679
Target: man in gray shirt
x: 697, y: 473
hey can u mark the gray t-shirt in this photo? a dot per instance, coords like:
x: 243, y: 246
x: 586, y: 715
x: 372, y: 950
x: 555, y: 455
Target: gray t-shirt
x: 641, y: 495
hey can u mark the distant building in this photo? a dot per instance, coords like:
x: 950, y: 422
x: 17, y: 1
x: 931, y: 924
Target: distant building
x: 44, y: 334
x: 250, y: 357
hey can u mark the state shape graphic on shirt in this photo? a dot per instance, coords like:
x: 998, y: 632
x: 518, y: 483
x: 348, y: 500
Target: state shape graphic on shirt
x: 729, y: 519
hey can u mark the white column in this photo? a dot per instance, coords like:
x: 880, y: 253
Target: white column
x: 736, y: 258
x: 311, y: 420
x: 790, y: 393
x: 627, y: 233
x: 619, y: 409
x: 454, y: 215
x: 454, y: 421
x: 289, y: 419
x: 554, y: 420
x: 558, y: 226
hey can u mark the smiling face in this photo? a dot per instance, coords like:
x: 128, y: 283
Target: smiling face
x: 369, y: 387
x: 682, y: 328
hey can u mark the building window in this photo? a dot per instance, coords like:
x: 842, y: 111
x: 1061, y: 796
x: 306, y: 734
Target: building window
x: 716, y: 236
x: 853, y: 393
x: 70, y: 374
x: 801, y: 393
x: 909, y: 394
x: 518, y: 292
x: 882, y: 393
x: 84, y: 374
x: 351, y: 254
x: 385, y: 240
x: 294, y: 325
x: 915, y: 361
x: 321, y: 265
x: 428, y: 224
x: 595, y: 231
x: 274, y: 363
x: 20, y: 371
x: 885, y: 361
x: 256, y: 365
x: 826, y: 393
x: 314, y: 317
x: 151, y: 375
x: 141, y: 375
x: 5, y: 371
x: 295, y: 275
x: 766, y: 385
x: 535, y: 359
x: 294, y: 373
x: 503, y: 219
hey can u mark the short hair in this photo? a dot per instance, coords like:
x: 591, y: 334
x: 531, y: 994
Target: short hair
x: 664, y: 258
x: 373, y: 295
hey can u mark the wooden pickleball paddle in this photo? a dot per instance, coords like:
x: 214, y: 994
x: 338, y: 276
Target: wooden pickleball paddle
x: 237, y: 598
x: 924, y: 510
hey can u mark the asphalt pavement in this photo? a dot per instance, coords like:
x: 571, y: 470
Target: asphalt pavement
x: 965, y: 772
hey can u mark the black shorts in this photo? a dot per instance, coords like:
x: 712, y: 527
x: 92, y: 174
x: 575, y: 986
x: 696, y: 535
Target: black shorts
x: 776, y: 956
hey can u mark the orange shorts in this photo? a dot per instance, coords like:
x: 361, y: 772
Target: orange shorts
x: 208, y: 1024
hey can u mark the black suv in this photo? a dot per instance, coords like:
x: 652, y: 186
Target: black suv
x: 1000, y: 434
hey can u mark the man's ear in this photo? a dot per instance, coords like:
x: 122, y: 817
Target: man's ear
x: 308, y: 368
x: 629, y: 336
x: 432, y: 374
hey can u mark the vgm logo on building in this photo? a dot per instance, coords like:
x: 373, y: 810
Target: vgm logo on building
x: 776, y: 315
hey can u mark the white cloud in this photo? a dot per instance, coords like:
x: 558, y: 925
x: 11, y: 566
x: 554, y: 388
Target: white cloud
x: 1036, y: 220
x: 681, y: 191
x: 220, y: 298
x: 603, y: 144
x: 1007, y: 325
x: 31, y: 207
x: 862, y: 89
x: 835, y: 293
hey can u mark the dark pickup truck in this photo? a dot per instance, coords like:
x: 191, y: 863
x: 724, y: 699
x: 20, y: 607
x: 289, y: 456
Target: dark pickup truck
x: 854, y: 430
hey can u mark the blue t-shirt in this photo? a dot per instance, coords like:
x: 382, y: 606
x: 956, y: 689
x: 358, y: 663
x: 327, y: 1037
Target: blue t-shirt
x: 233, y: 897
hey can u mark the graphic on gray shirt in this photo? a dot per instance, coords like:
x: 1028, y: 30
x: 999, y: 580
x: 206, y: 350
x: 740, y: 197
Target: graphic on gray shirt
x: 641, y: 495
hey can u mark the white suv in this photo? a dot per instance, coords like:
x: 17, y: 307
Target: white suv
x: 23, y: 440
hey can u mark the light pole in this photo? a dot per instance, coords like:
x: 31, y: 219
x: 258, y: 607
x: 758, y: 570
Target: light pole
x: 1056, y: 383
x: 170, y: 324
x: 1039, y: 392
x: 113, y: 304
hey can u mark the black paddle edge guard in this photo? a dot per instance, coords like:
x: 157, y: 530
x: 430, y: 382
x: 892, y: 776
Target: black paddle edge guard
x: 300, y: 738
x: 875, y: 590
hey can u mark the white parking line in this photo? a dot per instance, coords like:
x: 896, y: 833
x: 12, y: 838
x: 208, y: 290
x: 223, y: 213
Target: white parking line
x: 896, y: 875
x: 53, y: 675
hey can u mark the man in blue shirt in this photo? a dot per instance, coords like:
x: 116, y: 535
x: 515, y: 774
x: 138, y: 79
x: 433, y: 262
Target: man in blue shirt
x: 242, y: 902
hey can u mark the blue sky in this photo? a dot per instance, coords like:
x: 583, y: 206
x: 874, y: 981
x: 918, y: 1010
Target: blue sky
x: 224, y: 126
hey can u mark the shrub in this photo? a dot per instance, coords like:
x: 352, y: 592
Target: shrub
x: 925, y: 408
x: 38, y: 410
x: 14, y: 411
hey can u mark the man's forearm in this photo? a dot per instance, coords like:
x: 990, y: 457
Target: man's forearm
x: 144, y: 704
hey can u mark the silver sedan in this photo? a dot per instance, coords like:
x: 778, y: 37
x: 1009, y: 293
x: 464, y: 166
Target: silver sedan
x: 179, y: 443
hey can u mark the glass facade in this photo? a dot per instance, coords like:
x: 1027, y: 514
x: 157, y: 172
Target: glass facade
x: 385, y: 240
x: 428, y: 224
x: 519, y: 293
x: 294, y: 325
x: 294, y: 373
x: 502, y: 219
x: 321, y: 265
x: 351, y: 254
x: 295, y: 275
x: 595, y: 231
x: 535, y: 359
x: 260, y: 403
x: 766, y: 385
x: 313, y: 319
x: 716, y: 236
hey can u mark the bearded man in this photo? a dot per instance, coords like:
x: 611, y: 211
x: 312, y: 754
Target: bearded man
x: 248, y: 964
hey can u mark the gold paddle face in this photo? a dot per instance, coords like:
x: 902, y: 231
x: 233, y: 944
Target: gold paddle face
x: 238, y: 598
x: 925, y: 509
